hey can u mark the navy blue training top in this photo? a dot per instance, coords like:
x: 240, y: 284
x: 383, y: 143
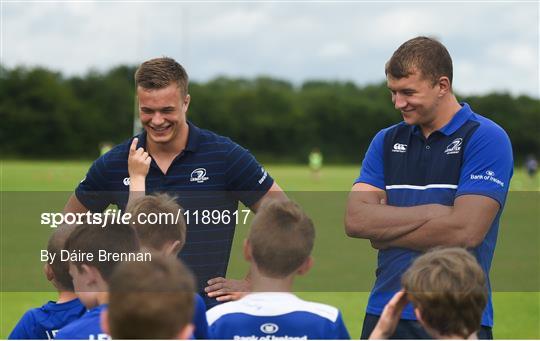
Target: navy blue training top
x: 42, y: 323
x: 213, y: 173
x: 470, y: 155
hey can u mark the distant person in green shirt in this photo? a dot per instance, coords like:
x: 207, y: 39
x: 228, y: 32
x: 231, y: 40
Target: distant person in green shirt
x: 315, y: 163
x: 105, y: 147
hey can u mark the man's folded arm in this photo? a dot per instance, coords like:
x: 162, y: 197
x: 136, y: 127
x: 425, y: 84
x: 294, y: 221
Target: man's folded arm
x: 466, y: 226
x: 369, y: 217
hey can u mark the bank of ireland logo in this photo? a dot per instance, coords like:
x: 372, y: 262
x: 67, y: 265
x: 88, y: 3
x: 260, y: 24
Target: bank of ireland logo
x: 490, y: 173
x: 399, y: 148
x: 269, y: 328
x: 126, y: 181
x: 198, y: 175
x: 454, y: 147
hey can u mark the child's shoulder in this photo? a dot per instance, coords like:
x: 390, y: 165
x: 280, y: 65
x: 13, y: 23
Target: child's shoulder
x: 272, y: 304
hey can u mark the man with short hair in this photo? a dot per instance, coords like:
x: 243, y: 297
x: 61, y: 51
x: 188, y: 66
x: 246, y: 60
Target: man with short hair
x: 447, y: 288
x: 207, y: 172
x: 439, y: 178
x: 278, y: 248
x: 150, y: 300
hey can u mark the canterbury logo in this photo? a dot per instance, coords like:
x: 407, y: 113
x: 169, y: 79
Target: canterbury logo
x: 399, y: 148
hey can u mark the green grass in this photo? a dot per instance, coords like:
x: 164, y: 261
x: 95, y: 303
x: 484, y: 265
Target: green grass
x: 515, y: 271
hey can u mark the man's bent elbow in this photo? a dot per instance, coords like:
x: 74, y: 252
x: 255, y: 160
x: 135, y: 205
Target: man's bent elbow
x: 355, y: 228
x: 467, y: 237
x: 472, y: 241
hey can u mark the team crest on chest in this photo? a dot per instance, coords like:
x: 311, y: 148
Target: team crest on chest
x: 454, y: 147
x: 198, y: 175
x: 269, y: 328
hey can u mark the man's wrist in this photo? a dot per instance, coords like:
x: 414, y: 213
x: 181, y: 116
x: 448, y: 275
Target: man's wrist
x: 137, y: 178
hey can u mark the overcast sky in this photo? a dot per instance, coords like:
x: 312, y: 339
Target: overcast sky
x: 494, y: 45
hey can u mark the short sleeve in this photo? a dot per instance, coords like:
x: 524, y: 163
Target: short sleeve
x: 342, y: 332
x: 487, y: 164
x: 91, y: 191
x: 24, y: 330
x: 199, y: 319
x: 372, y: 172
x: 245, y: 176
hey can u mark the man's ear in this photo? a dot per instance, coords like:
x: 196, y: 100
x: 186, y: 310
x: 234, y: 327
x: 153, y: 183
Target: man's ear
x: 104, y: 321
x: 186, y: 332
x: 90, y: 275
x: 247, y: 251
x: 444, y: 85
x: 305, y: 267
x: 173, y: 248
x: 186, y: 102
x: 47, y: 270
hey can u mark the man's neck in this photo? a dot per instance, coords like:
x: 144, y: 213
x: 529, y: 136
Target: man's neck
x: 445, y: 112
x: 66, y: 296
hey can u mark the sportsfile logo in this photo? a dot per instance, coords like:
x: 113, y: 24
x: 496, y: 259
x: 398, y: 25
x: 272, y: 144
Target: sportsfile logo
x: 198, y: 175
x: 399, y: 148
x: 489, y: 176
x: 454, y: 147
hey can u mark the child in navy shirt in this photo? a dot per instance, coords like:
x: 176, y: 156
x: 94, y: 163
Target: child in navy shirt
x: 90, y: 277
x: 43, y: 322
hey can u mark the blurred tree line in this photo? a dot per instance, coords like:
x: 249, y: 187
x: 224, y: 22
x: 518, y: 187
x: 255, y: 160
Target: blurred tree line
x: 46, y: 115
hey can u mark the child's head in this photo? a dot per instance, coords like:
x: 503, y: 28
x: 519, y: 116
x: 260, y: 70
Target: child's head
x: 448, y: 290
x: 165, y: 236
x: 91, y: 276
x: 58, y: 272
x: 280, y: 240
x: 150, y: 300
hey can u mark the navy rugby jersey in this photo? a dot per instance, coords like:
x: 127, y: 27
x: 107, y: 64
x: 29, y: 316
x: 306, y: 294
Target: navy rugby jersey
x: 42, y: 323
x: 88, y: 327
x: 212, y: 173
x: 267, y: 316
x: 470, y: 155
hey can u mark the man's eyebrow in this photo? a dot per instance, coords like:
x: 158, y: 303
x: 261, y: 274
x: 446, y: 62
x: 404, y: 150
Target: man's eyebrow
x: 160, y: 109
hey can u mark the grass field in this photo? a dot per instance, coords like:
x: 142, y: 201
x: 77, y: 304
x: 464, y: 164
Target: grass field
x: 515, y: 271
